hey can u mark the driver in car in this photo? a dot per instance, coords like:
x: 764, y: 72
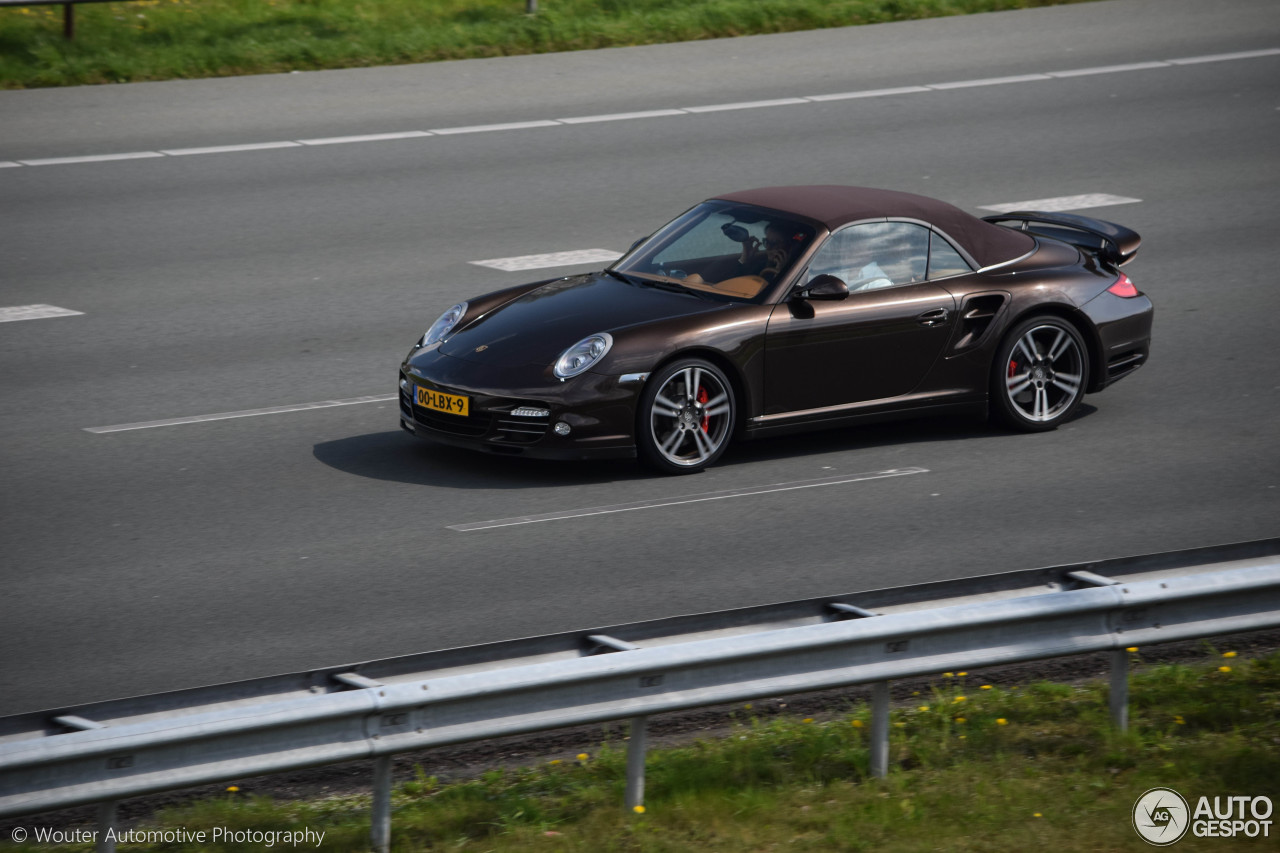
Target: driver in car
x: 771, y: 257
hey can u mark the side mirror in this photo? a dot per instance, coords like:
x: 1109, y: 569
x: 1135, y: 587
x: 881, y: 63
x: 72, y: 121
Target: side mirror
x: 826, y: 287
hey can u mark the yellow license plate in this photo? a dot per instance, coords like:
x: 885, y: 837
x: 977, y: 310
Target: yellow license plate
x: 450, y: 403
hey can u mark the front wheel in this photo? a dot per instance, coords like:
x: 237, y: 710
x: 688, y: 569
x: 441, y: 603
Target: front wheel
x: 685, y: 418
x: 1039, y: 374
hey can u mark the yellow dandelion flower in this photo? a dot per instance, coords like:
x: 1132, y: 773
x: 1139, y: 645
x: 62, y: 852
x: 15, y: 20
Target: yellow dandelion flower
x: 1037, y: 814
x: 960, y: 720
x: 1132, y: 649
x: 985, y: 687
x: 857, y: 724
x: 1179, y: 721
x: 923, y: 708
x: 958, y: 699
x: 582, y: 756
x: 638, y: 809
x: 899, y: 725
x: 808, y: 719
x: 1228, y: 654
x: 1001, y: 721
x: 233, y: 788
x: 948, y: 675
x: 962, y: 674
x: 1224, y: 669
x: 554, y: 761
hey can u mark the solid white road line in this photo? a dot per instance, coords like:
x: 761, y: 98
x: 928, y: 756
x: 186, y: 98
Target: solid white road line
x: 247, y: 413
x: 869, y: 93
x: 489, y: 128
x: 990, y: 81
x: 1062, y: 203
x: 35, y: 312
x: 553, y: 259
x: 662, y: 113
x: 368, y: 137
x: 224, y: 149
x: 746, y: 105
x: 93, y: 158
x: 688, y: 499
x: 622, y: 116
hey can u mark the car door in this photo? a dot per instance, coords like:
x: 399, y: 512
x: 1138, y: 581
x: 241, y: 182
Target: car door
x: 874, y: 344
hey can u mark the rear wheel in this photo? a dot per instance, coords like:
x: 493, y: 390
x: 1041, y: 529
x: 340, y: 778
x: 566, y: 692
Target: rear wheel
x: 1039, y: 374
x: 686, y: 417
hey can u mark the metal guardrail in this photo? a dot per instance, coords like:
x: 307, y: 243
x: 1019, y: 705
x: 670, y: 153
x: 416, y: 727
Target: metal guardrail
x: 131, y: 747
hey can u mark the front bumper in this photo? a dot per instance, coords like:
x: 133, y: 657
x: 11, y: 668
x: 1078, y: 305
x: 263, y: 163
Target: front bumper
x: 598, y: 410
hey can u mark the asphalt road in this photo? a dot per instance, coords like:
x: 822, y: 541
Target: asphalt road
x: 155, y: 559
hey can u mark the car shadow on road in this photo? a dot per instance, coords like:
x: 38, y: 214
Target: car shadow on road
x: 392, y: 455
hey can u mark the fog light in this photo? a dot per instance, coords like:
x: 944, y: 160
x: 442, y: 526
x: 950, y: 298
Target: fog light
x: 404, y: 384
x: 562, y: 428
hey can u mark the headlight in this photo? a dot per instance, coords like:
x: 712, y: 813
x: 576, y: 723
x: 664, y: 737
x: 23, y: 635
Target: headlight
x: 582, y: 355
x: 444, y: 325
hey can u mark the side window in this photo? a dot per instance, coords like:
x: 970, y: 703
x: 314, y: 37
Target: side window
x: 944, y: 260
x: 874, y: 255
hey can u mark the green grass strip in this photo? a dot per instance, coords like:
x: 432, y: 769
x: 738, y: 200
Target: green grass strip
x: 974, y: 768
x: 165, y: 39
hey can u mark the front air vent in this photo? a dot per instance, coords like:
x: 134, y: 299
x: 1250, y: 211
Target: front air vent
x: 518, y: 430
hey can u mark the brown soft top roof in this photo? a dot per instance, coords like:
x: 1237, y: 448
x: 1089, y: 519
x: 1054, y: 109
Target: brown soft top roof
x: 835, y: 206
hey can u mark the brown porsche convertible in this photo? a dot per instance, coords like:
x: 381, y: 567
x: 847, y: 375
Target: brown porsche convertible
x: 780, y: 310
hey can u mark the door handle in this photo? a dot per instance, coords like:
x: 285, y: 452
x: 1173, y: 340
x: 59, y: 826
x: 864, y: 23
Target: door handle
x: 936, y: 317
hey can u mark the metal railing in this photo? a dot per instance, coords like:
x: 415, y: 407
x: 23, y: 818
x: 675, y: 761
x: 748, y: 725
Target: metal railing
x: 105, y: 752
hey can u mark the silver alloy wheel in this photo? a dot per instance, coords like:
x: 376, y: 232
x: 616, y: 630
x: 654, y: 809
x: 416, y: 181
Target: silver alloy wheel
x: 691, y: 416
x: 1045, y: 373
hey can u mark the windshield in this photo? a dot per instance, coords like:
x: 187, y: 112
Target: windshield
x: 733, y: 250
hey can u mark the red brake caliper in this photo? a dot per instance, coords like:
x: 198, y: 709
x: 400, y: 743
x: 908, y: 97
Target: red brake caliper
x: 702, y: 398
x: 1013, y: 365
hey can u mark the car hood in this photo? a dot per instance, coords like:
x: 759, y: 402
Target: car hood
x: 540, y: 325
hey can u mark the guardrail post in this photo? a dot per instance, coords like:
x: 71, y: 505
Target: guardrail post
x: 380, y: 827
x: 1119, y: 694
x: 531, y: 7
x: 107, y: 827
x: 880, y: 729
x: 68, y: 21
x: 635, y: 761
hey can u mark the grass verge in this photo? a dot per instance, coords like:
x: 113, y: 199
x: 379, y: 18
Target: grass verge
x: 975, y: 768
x: 164, y: 39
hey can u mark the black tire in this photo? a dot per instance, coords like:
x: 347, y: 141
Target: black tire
x: 686, y: 417
x: 1039, y: 374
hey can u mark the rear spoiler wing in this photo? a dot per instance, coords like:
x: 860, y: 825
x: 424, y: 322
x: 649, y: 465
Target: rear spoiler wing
x: 1112, y: 243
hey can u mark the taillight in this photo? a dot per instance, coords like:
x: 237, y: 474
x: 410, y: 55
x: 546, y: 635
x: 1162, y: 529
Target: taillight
x: 1123, y: 287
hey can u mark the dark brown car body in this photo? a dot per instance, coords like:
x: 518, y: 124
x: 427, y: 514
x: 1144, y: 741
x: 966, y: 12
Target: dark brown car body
x: 794, y: 363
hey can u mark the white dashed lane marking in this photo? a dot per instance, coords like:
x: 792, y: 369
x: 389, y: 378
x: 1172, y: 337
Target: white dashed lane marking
x: 647, y: 114
x: 247, y: 413
x: 688, y: 499
x: 35, y: 312
x: 1062, y: 203
x: 554, y: 259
